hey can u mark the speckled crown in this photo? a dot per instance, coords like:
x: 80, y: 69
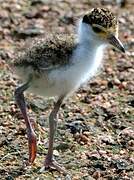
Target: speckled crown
x: 102, y: 17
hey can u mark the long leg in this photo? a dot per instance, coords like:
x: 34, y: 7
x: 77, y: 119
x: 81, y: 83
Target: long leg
x: 49, y: 161
x: 19, y: 96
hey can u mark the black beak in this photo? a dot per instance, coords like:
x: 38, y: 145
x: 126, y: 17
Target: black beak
x: 116, y: 43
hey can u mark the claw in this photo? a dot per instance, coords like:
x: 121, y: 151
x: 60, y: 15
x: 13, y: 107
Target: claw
x: 62, y: 170
x: 52, y: 164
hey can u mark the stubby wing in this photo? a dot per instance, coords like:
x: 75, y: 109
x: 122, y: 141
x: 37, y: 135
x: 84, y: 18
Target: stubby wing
x: 49, y: 53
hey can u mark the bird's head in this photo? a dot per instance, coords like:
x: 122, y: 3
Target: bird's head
x: 104, y: 26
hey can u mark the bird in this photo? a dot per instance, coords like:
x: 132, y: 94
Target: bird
x: 58, y: 64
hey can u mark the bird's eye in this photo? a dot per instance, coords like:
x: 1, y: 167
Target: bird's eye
x: 96, y: 29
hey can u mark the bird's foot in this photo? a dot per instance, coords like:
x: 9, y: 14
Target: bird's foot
x: 52, y: 164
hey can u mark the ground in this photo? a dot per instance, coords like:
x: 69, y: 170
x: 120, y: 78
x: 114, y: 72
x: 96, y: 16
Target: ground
x: 95, y: 136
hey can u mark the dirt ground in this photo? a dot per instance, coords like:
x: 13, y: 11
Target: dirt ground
x: 95, y: 136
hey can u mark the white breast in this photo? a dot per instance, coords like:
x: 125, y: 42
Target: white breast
x: 85, y: 65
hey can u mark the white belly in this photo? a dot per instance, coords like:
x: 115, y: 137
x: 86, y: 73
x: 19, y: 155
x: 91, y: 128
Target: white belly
x: 56, y: 83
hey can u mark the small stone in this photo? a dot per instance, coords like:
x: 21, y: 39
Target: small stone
x: 102, y: 152
x: 131, y: 159
x: 107, y: 105
x: 55, y: 153
x: 96, y: 175
x: 45, y: 8
x: 122, y: 152
x: 124, y: 84
x: 116, y: 81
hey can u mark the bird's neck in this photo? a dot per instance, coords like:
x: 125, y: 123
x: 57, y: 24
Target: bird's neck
x: 88, y: 47
x: 86, y: 37
x: 87, y: 56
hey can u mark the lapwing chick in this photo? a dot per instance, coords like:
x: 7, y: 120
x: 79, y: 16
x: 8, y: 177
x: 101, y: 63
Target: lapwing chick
x: 59, y: 64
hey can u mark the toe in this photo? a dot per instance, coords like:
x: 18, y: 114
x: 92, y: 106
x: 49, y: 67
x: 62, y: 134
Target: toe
x: 52, y: 164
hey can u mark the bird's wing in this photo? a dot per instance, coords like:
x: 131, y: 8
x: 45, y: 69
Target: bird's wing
x: 49, y: 53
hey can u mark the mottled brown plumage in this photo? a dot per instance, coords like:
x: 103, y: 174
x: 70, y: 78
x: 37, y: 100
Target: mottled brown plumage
x: 102, y: 17
x: 48, y: 53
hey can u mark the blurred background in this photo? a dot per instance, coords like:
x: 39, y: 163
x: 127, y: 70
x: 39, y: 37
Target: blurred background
x: 95, y: 138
